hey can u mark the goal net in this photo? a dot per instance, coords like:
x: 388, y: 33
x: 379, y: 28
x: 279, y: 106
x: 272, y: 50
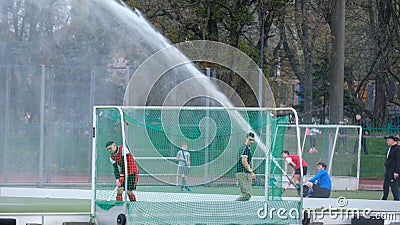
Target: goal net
x: 339, y: 146
x: 202, y: 189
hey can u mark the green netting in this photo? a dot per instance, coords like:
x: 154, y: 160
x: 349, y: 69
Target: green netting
x: 213, y: 135
x: 214, y: 212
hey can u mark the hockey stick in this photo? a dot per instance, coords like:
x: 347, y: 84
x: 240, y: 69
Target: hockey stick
x: 284, y: 173
x: 285, y: 188
x: 112, y: 193
x: 291, y: 182
x: 273, y: 184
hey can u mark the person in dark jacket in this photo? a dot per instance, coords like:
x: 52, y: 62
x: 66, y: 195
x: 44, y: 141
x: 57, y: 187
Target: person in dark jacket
x: 392, y: 166
x: 365, y: 132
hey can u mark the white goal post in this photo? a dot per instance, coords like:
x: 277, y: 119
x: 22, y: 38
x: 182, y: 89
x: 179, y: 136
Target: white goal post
x: 339, y: 146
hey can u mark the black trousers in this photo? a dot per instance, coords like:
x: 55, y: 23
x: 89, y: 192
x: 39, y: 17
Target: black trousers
x: 342, y: 140
x: 363, y: 145
x: 389, y: 181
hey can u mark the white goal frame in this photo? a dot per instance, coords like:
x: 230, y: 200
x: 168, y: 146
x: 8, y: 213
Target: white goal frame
x: 333, y: 146
x: 268, y: 155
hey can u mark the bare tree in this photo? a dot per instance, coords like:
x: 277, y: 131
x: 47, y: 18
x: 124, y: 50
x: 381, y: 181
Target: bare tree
x: 300, y: 51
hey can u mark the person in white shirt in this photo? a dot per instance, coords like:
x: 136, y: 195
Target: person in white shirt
x: 183, y: 157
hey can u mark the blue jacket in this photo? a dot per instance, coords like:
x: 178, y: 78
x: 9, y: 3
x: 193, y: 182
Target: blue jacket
x: 323, y: 179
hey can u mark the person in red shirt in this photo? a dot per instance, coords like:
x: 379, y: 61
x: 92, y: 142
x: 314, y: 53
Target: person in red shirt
x: 117, y: 154
x: 294, y: 162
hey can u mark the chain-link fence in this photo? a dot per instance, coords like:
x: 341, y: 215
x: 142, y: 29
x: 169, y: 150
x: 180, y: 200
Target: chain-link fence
x: 46, y: 121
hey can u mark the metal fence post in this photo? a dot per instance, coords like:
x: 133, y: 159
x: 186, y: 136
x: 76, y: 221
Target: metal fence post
x: 41, y: 123
x: 6, y: 125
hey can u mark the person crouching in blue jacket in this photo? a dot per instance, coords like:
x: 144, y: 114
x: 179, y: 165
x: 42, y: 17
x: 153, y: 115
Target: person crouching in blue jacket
x: 320, y: 185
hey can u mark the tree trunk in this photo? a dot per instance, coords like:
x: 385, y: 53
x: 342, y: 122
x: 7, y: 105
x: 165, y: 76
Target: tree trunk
x: 303, y: 76
x: 336, y: 87
x: 384, y: 41
x: 380, y: 103
x: 212, y: 26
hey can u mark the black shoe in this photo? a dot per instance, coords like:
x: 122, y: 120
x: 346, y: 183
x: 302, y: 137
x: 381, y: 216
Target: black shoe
x: 305, y: 190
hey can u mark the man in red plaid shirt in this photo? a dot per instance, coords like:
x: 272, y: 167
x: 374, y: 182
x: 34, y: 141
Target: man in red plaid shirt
x: 117, y: 154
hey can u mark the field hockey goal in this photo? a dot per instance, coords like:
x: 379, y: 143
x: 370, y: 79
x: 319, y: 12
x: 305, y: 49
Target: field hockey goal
x: 213, y: 135
x: 339, y: 146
